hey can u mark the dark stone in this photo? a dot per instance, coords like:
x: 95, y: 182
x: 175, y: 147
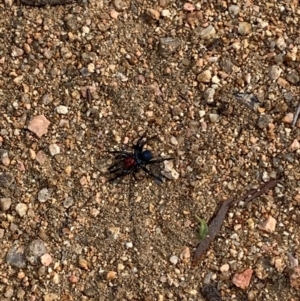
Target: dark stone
x: 16, y: 257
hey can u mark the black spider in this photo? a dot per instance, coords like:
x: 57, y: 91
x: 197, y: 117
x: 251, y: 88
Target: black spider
x: 130, y: 162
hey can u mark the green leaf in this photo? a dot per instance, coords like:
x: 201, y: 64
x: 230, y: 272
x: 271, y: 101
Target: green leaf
x: 203, y: 228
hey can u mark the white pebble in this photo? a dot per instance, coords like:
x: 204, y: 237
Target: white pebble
x: 21, y: 209
x: 174, y: 140
x: 174, y: 259
x: 201, y: 113
x: 44, y: 195
x: 63, y: 110
x: 165, y: 13
x: 224, y: 268
x: 214, y: 118
x: 129, y: 245
x: 85, y: 29
x: 54, y: 149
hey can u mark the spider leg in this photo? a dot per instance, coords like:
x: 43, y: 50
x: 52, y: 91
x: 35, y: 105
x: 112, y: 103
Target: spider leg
x: 121, y: 174
x: 121, y: 156
x: 137, y: 146
x: 140, y: 143
x: 110, y: 168
x: 114, y: 170
x: 119, y: 152
x: 158, y: 160
x: 134, y: 176
x: 145, y: 169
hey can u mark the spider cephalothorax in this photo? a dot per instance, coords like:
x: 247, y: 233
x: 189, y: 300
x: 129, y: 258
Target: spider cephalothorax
x: 131, y: 162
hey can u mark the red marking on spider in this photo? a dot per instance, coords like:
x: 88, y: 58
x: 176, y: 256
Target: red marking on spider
x: 129, y: 162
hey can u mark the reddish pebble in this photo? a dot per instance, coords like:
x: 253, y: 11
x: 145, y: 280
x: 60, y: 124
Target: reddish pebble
x: 41, y: 157
x: 74, y: 278
x: 46, y: 259
x: 242, y: 280
x: 111, y: 275
x: 114, y: 14
x: 185, y: 255
x: 39, y: 125
x: 269, y: 225
x: 188, y: 7
x: 295, y: 278
x: 288, y: 118
x: 294, y: 146
x: 21, y: 275
x: 21, y: 166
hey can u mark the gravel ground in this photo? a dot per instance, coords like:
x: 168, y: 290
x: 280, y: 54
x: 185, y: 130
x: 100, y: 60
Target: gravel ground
x: 163, y: 67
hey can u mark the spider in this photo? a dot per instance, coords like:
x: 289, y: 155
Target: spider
x: 131, y: 162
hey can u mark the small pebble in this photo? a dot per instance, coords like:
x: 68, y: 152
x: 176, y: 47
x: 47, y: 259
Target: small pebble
x: 62, y: 110
x: 120, y: 5
x: 224, y: 268
x: 209, y: 95
x: 39, y: 125
x: 68, y: 202
x: 204, y: 77
x: 74, y: 279
x: 54, y: 149
x: 288, y: 118
x: 4, y: 157
x: 5, y: 204
x: 111, y: 275
x: 169, y: 172
x: 9, y: 292
x: 214, y: 118
x: 208, y: 33
x: 165, y: 13
x: 265, y: 176
x: 21, y: 294
x: 294, y: 146
x: 242, y: 280
x: 295, y: 278
x: 114, y: 232
x: 46, y: 259
x: 55, y: 278
x: 188, y: 7
x: 16, y: 257
x: 174, y: 140
x: 275, y: 72
x: 263, y: 121
x: 280, y: 43
x: 16, y: 51
x: 269, y: 225
x: 234, y: 10
x: 153, y: 14
x: 50, y: 297
x: 21, y: 209
x: 35, y: 250
x: 18, y: 80
x: 83, y: 263
x: 121, y: 267
x: 129, y: 245
x: 185, y: 255
x: 244, y: 28
x: 44, y: 195
x: 174, y: 259
x: 48, y: 54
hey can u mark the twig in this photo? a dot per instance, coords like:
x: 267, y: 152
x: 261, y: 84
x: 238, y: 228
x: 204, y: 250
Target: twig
x: 217, y: 221
x: 88, y: 95
x: 296, y: 115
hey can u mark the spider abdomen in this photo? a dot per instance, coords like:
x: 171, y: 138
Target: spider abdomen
x: 129, y: 162
x: 146, y: 155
